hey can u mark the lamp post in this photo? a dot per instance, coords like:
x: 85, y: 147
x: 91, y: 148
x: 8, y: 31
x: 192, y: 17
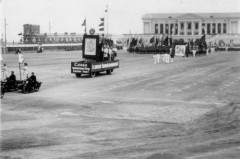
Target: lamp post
x: 5, y: 27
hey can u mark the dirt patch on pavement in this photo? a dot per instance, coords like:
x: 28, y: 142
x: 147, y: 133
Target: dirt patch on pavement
x: 222, y: 120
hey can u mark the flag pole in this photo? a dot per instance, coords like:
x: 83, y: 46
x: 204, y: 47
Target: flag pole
x: 107, y: 20
x: 85, y: 25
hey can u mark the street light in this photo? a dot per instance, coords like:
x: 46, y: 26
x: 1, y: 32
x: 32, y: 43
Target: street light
x: 5, y: 27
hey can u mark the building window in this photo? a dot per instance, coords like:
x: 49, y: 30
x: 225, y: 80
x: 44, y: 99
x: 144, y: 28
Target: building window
x: 172, y: 29
x: 203, y: 28
x: 219, y: 28
x: 208, y: 28
x: 214, y: 28
x: 196, y: 28
x: 182, y: 28
x: 156, y: 28
x: 166, y: 29
x: 176, y: 29
x: 161, y: 28
x: 189, y: 28
x: 224, y: 28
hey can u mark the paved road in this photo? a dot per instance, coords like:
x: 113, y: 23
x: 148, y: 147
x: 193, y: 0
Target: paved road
x: 185, y: 109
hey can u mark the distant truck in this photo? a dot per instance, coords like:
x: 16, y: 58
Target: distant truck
x: 94, y: 60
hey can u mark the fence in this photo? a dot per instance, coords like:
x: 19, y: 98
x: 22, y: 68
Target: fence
x: 34, y: 47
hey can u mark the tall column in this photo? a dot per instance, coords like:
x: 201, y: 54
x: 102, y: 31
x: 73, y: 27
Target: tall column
x: 169, y: 30
x: 192, y: 23
x: 178, y: 28
x: 151, y: 27
x: 159, y: 28
x: 200, y: 28
x: 164, y: 28
x: 185, y: 28
x: 210, y: 28
x: 221, y: 28
x: 216, y: 28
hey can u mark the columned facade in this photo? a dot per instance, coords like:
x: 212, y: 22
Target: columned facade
x: 188, y: 27
x: 191, y: 24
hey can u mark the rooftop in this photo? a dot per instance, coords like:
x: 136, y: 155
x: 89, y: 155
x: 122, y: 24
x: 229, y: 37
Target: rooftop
x: 200, y: 15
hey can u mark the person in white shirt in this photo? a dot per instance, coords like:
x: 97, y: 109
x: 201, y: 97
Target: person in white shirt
x: 106, y: 50
x: 194, y: 52
x: 154, y: 59
x: 25, y: 71
x: 5, y: 71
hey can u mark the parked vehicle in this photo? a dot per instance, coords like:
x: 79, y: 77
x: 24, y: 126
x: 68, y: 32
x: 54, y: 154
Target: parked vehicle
x: 29, y: 86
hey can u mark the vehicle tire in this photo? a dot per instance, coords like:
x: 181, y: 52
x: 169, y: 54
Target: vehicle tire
x: 97, y: 73
x: 92, y: 74
x: 78, y: 75
x: 24, y: 89
x: 109, y: 72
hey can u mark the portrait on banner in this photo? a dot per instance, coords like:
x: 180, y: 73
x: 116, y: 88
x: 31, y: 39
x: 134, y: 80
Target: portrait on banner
x: 180, y: 50
x: 90, y: 46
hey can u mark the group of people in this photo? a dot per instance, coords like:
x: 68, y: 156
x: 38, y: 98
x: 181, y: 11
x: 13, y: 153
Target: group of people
x: 5, y: 74
x: 165, y: 57
x: 11, y: 80
x: 106, y: 52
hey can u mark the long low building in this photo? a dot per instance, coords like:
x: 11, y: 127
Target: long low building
x: 191, y: 24
x: 32, y: 35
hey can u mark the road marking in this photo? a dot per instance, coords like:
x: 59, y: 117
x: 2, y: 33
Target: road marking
x: 69, y: 113
x: 80, y: 102
x: 109, y: 102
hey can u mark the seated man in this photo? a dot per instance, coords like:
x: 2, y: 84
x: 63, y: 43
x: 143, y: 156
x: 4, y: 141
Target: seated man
x: 114, y: 53
x: 12, y: 80
x: 33, y: 80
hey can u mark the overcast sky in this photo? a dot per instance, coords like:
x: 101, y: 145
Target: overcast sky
x: 123, y: 15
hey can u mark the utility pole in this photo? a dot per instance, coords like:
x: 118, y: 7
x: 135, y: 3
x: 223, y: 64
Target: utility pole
x: 107, y: 20
x: 5, y: 27
x: 49, y: 28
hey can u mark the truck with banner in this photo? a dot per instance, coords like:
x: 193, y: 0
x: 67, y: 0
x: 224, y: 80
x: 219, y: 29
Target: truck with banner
x: 94, y: 61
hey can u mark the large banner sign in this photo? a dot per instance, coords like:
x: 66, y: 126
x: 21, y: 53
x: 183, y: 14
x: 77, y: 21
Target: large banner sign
x: 90, y: 46
x: 180, y: 50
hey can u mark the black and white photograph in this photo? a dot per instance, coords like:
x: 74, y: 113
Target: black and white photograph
x: 120, y: 79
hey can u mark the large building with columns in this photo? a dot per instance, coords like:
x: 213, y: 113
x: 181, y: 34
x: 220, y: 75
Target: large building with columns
x: 191, y: 24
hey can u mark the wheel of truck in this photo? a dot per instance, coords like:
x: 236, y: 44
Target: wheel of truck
x: 97, y: 73
x: 78, y: 75
x: 108, y: 72
x: 24, y: 89
x: 92, y: 74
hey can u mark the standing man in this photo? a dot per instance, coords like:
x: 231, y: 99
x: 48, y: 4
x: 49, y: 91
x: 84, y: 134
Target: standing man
x: 172, y: 53
x: 187, y: 50
x: 18, y: 51
x: 5, y: 71
x: 25, y: 71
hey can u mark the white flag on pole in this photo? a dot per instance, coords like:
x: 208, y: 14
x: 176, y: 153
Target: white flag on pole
x: 20, y: 58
